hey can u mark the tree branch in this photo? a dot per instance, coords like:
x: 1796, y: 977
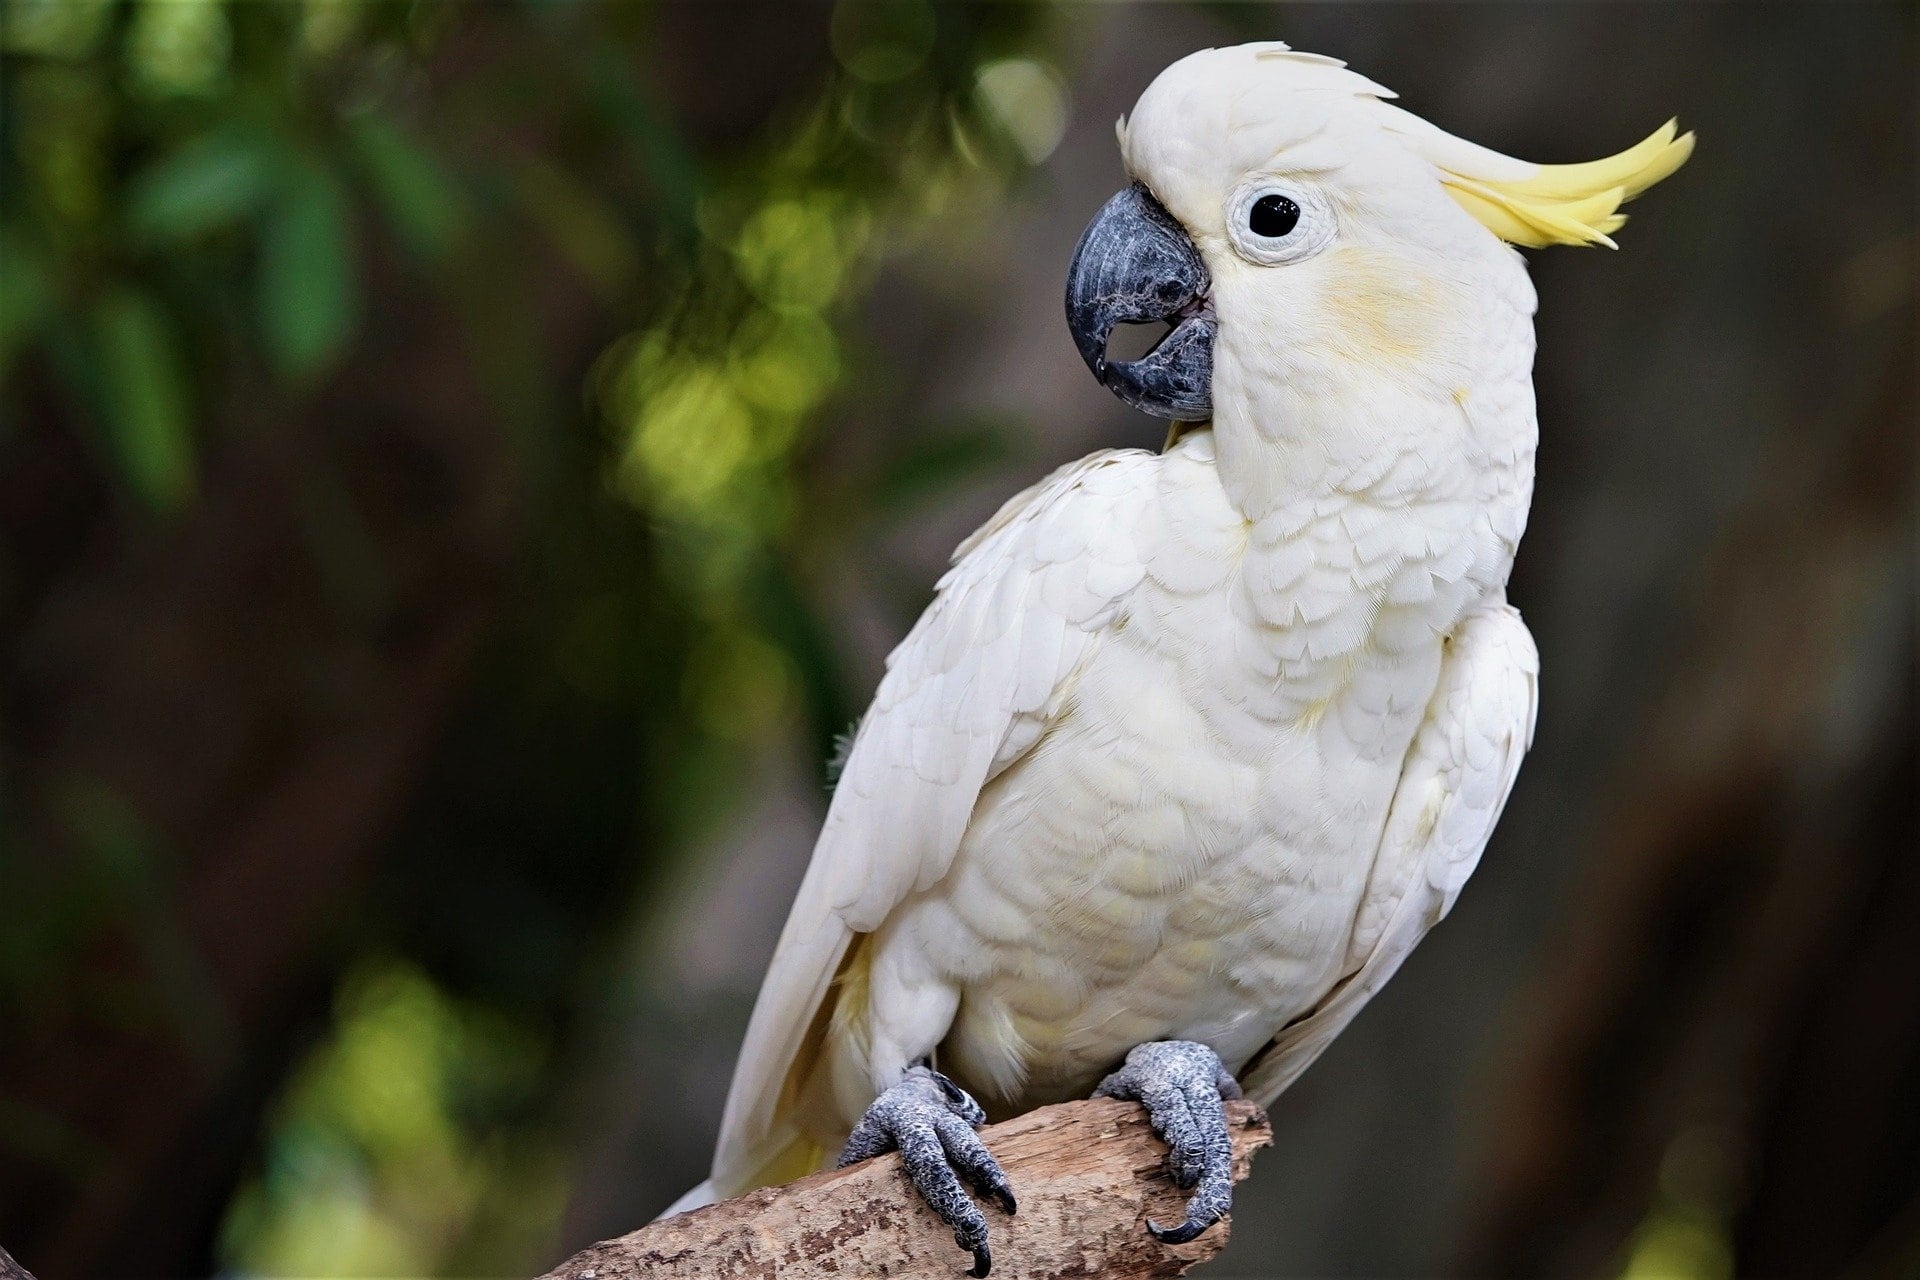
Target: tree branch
x: 1088, y: 1174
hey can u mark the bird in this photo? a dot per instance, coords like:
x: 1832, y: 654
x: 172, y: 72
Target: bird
x: 1193, y: 746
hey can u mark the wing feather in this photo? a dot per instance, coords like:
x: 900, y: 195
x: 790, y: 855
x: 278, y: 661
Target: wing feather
x: 965, y: 694
x: 1457, y: 777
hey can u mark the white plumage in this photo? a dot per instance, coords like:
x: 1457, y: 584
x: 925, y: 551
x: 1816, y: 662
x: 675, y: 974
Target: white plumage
x: 1194, y: 745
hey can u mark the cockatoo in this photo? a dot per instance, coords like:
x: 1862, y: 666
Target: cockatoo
x: 1192, y: 747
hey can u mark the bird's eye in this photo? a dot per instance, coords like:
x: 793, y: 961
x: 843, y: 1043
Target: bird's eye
x: 1271, y: 222
x: 1273, y: 216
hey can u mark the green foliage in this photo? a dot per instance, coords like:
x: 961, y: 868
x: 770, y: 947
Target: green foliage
x: 209, y: 183
x: 208, y: 158
x: 384, y: 1151
x: 307, y: 278
x: 144, y: 397
x: 26, y: 296
x: 412, y: 187
x: 211, y: 212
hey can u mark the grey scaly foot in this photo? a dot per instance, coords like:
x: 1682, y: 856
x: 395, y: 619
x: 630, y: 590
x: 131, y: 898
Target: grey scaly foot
x: 930, y: 1120
x: 1183, y: 1086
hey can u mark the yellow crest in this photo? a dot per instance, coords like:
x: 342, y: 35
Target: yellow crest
x: 1536, y: 205
x: 1572, y: 203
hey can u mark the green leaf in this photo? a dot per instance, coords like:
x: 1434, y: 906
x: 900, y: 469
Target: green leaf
x: 207, y: 183
x: 144, y: 398
x: 414, y: 192
x: 308, y: 283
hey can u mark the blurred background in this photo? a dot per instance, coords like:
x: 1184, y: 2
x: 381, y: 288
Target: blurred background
x: 462, y: 464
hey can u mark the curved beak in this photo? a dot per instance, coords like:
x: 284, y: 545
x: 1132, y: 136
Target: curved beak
x: 1135, y: 265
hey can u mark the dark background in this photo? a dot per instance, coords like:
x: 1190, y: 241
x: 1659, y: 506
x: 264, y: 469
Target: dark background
x: 462, y: 463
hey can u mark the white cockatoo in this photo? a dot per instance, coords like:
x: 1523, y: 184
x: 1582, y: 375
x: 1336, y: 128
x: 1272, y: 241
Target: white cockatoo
x: 1192, y: 747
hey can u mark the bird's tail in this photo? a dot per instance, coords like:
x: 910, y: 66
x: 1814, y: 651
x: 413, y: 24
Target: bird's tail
x: 704, y: 1194
x: 792, y: 1156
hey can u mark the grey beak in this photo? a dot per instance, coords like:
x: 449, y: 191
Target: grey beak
x: 1134, y: 264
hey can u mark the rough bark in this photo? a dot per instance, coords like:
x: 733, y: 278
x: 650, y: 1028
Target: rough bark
x: 1088, y: 1174
x: 11, y: 1270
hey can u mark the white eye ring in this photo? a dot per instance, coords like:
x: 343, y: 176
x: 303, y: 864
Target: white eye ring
x: 1308, y: 235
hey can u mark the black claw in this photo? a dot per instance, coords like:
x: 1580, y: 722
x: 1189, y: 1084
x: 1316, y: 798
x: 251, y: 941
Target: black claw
x: 959, y: 1101
x: 1182, y: 1086
x: 930, y: 1121
x: 1180, y: 1234
x: 970, y: 1158
x: 990, y: 1182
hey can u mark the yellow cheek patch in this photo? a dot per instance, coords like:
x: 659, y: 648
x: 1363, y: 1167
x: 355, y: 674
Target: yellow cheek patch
x: 1389, y: 313
x: 1569, y: 203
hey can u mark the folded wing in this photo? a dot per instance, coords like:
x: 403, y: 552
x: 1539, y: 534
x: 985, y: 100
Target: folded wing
x: 969, y: 691
x: 1456, y: 780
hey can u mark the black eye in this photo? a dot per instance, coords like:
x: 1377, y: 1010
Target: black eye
x: 1273, y: 216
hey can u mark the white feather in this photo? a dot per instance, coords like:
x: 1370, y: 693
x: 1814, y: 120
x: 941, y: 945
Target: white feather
x: 1455, y: 783
x: 1198, y: 744
x: 930, y: 743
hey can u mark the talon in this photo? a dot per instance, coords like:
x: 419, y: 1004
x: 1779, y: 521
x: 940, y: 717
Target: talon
x: 1183, y: 1085
x: 1180, y: 1234
x: 930, y: 1121
x: 959, y: 1101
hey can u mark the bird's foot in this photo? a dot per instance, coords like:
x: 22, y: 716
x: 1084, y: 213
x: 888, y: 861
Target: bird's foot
x: 930, y: 1120
x: 1183, y: 1086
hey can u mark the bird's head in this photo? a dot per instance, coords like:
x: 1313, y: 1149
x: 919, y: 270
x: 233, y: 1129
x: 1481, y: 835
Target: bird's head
x: 1295, y: 229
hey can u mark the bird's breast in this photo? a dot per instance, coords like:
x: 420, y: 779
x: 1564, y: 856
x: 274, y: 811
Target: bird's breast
x: 1185, y: 850
x: 1169, y: 862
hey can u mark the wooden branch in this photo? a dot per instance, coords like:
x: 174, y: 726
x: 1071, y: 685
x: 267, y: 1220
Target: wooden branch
x: 1088, y: 1174
x: 11, y: 1270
